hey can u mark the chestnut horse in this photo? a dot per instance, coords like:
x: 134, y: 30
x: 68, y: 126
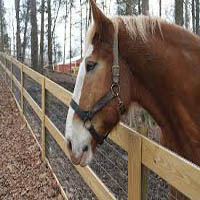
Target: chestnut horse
x: 136, y: 59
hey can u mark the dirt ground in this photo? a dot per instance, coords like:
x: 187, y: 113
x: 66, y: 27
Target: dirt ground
x: 22, y: 173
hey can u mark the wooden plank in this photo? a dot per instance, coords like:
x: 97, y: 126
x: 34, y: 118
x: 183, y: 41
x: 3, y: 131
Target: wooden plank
x: 13, y: 60
x: 59, y: 92
x: 59, y: 185
x: 134, y: 167
x: 29, y: 127
x: 2, y: 65
x: 43, y: 120
x: 178, y: 172
x: 5, y: 69
x: 11, y: 77
x: 19, y: 108
x: 17, y: 83
x: 88, y: 175
x: 33, y: 74
x: 120, y: 135
x: 33, y: 104
x: 8, y: 72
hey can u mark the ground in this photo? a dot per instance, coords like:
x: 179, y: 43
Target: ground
x: 22, y: 173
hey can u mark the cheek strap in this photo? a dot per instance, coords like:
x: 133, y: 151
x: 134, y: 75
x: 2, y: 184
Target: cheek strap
x: 87, y: 115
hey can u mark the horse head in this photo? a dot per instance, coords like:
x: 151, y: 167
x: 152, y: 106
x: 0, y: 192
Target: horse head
x: 99, y: 96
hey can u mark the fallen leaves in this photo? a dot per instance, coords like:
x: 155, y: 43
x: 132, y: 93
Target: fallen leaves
x: 22, y: 174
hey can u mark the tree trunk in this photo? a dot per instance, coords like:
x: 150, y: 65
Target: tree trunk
x: 197, y: 18
x: 129, y: 10
x: 50, y: 53
x: 70, y: 37
x: 1, y: 27
x: 160, y: 8
x: 81, y: 29
x: 65, y: 32
x: 34, y: 37
x: 139, y: 7
x: 54, y: 24
x: 25, y: 31
x: 179, y: 12
x: 193, y: 17
x: 86, y: 16
x: 42, y: 37
x: 145, y: 7
x: 18, y: 38
x: 187, y: 16
x: 13, y: 35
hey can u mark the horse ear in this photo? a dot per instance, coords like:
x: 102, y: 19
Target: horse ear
x: 102, y: 23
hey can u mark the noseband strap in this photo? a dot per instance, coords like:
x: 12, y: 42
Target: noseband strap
x: 87, y: 115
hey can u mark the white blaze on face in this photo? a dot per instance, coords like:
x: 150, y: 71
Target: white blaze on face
x: 75, y: 130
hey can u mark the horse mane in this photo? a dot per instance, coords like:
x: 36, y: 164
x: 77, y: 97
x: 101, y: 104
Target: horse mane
x: 140, y: 26
x: 136, y: 26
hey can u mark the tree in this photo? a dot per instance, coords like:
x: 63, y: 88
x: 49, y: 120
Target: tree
x: 42, y: 36
x: 187, y: 16
x: 179, y: 12
x: 193, y: 17
x: 18, y: 37
x: 127, y: 7
x: 65, y: 32
x: 50, y: 53
x: 160, y: 8
x: 145, y: 7
x: 4, y: 39
x: 70, y: 35
x: 197, y: 17
x: 1, y: 27
x: 24, y: 44
x: 81, y: 29
x: 34, y: 36
x: 139, y: 7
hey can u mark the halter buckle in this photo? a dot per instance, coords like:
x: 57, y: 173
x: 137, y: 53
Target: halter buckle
x: 115, y: 89
x: 87, y: 123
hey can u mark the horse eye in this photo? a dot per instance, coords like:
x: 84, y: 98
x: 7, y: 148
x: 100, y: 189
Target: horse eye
x: 90, y: 66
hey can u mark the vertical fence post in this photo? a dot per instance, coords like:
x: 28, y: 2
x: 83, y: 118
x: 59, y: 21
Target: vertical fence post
x: 134, y: 167
x: 145, y: 172
x: 22, y: 89
x: 43, y: 119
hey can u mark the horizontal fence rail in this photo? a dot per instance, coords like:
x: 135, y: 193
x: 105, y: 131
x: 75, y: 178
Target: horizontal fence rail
x: 181, y: 174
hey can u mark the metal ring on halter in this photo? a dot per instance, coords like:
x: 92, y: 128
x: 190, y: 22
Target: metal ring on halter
x: 87, y: 123
x: 115, y: 89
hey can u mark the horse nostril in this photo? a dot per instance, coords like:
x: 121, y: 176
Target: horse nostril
x: 69, y: 145
x: 85, y: 148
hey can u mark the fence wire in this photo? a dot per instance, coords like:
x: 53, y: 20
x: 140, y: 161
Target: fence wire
x: 110, y: 163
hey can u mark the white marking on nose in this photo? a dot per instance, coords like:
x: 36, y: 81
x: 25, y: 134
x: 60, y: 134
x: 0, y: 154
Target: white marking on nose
x: 75, y: 131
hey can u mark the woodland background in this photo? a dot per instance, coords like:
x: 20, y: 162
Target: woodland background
x: 44, y: 32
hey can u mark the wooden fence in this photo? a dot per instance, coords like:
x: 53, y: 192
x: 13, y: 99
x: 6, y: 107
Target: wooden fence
x: 178, y: 172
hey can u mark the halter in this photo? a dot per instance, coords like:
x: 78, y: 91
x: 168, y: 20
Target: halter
x: 87, y: 115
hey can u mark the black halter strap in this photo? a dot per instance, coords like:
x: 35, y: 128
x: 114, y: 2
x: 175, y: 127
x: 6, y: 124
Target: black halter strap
x: 87, y: 115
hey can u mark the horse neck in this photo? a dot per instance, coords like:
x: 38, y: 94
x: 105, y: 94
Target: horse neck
x: 156, y: 86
